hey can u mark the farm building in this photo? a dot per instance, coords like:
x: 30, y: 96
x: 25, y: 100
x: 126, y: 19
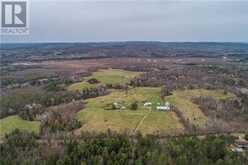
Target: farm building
x: 165, y: 107
x: 239, y: 145
x: 117, y: 105
x: 147, y: 104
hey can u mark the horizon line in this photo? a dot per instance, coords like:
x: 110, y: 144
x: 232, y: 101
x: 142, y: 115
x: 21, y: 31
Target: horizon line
x: 85, y: 42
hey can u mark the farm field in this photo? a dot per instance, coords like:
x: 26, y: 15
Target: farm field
x: 11, y: 123
x: 191, y: 111
x: 80, y: 85
x: 96, y: 118
x: 161, y: 122
x: 105, y: 76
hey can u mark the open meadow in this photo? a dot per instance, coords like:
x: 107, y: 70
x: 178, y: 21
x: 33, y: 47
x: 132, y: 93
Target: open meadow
x: 105, y: 76
x: 98, y: 116
x: 11, y: 123
x: 182, y: 99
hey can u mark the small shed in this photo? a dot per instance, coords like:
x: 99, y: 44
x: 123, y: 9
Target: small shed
x: 147, y: 104
x: 118, y: 105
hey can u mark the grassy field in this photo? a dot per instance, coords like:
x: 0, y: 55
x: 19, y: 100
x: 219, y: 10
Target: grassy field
x: 106, y: 76
x: 191, y: 111
x: 114, y: 76
x: 80, y: 85
x: 96, y: 118
x: 100, y: 120
x: 148, y: 121
x: 11, y: 123
x: 161, y: 122
x: 217, y: 94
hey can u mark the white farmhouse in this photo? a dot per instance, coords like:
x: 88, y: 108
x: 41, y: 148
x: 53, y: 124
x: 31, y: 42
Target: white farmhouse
x: 165, y: 107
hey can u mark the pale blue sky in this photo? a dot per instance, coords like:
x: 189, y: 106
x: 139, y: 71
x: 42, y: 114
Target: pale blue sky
x: 102, y: 20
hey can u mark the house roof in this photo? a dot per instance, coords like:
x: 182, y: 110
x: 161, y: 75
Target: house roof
x: 241, y: 142
x: 163, y: 107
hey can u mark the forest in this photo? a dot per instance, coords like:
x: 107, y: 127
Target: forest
x: 111, y: 148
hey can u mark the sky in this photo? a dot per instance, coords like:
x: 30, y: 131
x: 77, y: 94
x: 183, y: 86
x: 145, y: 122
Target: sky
x: 136, y: 20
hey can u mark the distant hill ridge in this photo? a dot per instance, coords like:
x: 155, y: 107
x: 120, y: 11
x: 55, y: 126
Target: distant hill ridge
x: 45, y: 51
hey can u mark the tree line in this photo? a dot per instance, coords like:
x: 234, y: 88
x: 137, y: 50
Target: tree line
x: 112, y: 148
x: 25, y: 99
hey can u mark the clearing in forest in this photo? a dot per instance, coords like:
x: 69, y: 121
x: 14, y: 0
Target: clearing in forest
x: 105, y: 76
x: 11, y: 123
x: 98, y: 117
x: 191, y: 112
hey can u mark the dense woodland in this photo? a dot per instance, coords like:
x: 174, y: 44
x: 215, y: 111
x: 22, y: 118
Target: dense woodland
x: 35, y: 99
x: 111, y: 148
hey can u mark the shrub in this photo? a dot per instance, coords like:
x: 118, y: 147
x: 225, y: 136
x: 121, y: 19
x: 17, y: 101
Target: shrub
x: 246, y: 136
x: 134, y: 106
